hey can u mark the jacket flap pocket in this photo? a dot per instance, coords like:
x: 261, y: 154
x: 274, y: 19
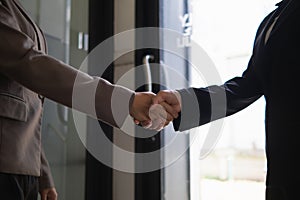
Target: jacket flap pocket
x: 13, y: 107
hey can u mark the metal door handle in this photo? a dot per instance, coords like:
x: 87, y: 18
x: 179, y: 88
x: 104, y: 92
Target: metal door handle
x: 148, y: 77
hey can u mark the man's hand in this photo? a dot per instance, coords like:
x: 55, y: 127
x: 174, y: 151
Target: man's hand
x: 159, y: 117
x: 149, y: 115
x: 157, y: 112
x: 48, y: 194
x: 139, y: 109
x: 170, y: 100
x: 166, y: 107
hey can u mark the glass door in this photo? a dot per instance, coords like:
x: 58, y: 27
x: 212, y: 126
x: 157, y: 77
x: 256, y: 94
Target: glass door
x: 65, y: 25
x: 162, y: 35
x: 175, y: 20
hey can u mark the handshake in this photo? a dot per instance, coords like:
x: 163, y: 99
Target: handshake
x: 154, y: 112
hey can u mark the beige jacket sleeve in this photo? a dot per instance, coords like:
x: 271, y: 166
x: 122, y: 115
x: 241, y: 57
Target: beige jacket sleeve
x: 45, y: 75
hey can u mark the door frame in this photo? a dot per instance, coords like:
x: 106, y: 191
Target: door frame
x: 147, y: 185
x: 99, y: 178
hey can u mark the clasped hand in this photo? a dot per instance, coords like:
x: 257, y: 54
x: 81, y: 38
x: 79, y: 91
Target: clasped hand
x: 154, y: 112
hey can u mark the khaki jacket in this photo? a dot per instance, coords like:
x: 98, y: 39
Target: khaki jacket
x: 26, y: 73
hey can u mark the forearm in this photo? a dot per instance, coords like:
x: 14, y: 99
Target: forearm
x: 195, y: 111
x: 66, y: 85
x: 43, y: 74
x: 204, y: 105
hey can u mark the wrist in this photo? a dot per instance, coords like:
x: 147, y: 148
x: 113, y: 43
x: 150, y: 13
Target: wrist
x: 131, y: 104
x: 178, y: 96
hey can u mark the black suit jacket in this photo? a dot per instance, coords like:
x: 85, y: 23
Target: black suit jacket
x: 272, y: 72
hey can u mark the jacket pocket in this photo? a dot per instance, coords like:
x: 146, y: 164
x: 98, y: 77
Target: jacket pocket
x: 13, y: 107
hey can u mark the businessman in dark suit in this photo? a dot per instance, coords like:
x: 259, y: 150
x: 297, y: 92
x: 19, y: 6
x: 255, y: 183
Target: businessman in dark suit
x: 273, y: 72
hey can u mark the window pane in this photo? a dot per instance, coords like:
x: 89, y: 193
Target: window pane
x: 235, y: 169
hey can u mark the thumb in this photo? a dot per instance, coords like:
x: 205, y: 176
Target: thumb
x: 156, y: 100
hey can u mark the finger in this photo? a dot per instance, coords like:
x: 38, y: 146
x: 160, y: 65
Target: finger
x: 146, y: 124
x: 168, y: 96
x: 169, y: 118
x: 160, y: 97
x: 44, y: 196
x: 170, y: 109
x: 53, y: 197
x: 156, y: 114
x: 161, y: 126
x: 137, y: 122
x: 166, y: 123
x: 153, y: 125
x: 52, y: 194
x: 157, y: 124
x: 159, y: 116
x: 166, y: 118
x: 144, y: 117
x: 157, y: 111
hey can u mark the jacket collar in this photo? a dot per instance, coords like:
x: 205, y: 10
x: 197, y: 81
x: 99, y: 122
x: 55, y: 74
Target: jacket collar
x: 286, y: 7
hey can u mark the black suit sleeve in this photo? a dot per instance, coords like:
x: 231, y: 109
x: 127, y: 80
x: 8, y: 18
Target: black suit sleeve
x: 203, y: 105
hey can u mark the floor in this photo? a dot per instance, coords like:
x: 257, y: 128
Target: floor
x: 231, y: 190
x: 233, y: 176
